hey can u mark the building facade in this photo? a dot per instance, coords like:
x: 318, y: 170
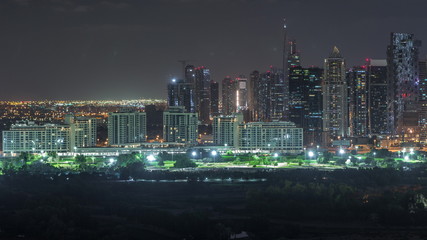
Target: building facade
x: 179, y: 126
x: 357, y: 80
x: 127, y: 127
x: 335, y: 106
x: 224, y: 129
x: 271, y: 136
x: 29, y: 137
x: 403, y: 86
x: 377, y: 99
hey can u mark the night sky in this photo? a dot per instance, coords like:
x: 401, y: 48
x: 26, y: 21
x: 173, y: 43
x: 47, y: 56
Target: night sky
x: 127, y: 49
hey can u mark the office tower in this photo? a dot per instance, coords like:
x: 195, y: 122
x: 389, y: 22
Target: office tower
x: 402, y: 62
x: 214, y: 98
x: 241, y: 94
x: 228, y: 96
x: 377, y: 97
x: 181, y: 93
x: 423, y: 101
x: 29, y: 137
x: 253, y: 95
x: 225, y: 129
x: 179, y: 126
x: 357, y: 78
x: 270, y: 136
x: 127, y: 127
x: 282, y: 86
x: 270, y: 96
x: 335, y: 109
x: 313, y: 105
x: 297, y: 99
x: 202, y: 90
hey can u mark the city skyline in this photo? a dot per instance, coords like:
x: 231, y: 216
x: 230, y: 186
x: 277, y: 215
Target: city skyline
x: 127, y: 50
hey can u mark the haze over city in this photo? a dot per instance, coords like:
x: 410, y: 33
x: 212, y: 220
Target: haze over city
x: 62, y: 49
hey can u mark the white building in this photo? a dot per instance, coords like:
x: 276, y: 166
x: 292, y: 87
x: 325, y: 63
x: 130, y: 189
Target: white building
x: 127, y: 127
x: 28, y: 137
x: 257, y: 136
x: 83, y: 131
x: 36, y: 138
x: 271, y: 136
x: 224, y: 129
x: 179, y: 126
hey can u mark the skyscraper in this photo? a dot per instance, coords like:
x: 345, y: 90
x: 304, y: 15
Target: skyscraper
x: 214, y: 98
x: 377, y: 99
x: 335, y: 110
x: 297, y: 99
x: 181, y: 93
x: 241, y: 94
x: 202, y: 90
x: 253, y: 95
x: 403, y: 86
x: 423, y: 101
x: 358, y: 101
x: 228, y: 96
x: 313, y: 105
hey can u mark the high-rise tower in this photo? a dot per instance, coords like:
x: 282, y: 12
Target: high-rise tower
x: 403, y: 86
x: 335, y: 109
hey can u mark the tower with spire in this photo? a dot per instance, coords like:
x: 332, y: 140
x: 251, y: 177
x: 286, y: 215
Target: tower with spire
x: 335, y: 111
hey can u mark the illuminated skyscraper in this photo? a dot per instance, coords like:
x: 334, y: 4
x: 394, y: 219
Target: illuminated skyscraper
x: 202, y: 93
x: 296, y: 95
x: 228, y: 96
x: 312, y: 92
x: 423, y: 101
x: 253, y: 95
x: 214, y: 99
x: 241, y: 94
x: 358, y: 101
x: 335, y: 108
x: 402, y: 62
x: 377, y: 99
x: 181, y: 93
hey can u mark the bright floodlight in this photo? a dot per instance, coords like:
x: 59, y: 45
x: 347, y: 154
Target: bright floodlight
x: 214, y: 153
x: 111, y: 160
x: 193, y: 154
x: 342, y: 151
x: 151, y: 158
x: 275, y: 155
x: 310, y: 154
x: 406, y: 158
x: 173, y: 80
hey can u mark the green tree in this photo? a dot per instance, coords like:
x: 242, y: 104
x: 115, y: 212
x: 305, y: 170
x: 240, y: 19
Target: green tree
x: 184, y: 162
x: 161, y: 162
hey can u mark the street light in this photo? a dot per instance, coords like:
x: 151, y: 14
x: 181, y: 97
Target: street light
x: 214, y: 153
x: 341, y: 151
x: 151, y: 158
x: 275, y: 155
x: 310, y: 154
x: 194, y: 154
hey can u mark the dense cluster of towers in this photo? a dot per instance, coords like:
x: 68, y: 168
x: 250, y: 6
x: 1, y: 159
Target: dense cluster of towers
x: 386, y: 98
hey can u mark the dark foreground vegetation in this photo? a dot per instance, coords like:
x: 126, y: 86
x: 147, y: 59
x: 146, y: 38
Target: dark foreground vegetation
x: 289, y: 204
